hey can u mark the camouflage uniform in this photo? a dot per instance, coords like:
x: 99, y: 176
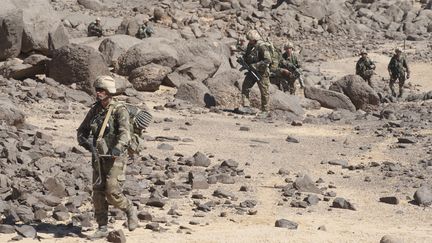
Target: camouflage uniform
x: 109, y: 152
x: 116, y: 137
x: 94, y: 29
x: 259, y: 57
x: 398, y: 70
x: 144, y: 31
x: 364, y: 68
x: 290, y: 62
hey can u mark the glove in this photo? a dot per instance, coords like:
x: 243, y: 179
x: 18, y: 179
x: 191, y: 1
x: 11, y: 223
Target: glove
x: 115, y: 152
x: 285, y: 72
x: 86, y: 144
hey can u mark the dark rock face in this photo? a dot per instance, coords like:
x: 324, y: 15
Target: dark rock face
x: 77, y: 64
x: 359, y: 92
x: 329, y: 99
x: 10, y: 113
x: 11, y: 30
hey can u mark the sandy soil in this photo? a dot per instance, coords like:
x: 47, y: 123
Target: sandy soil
x: 265, y: 150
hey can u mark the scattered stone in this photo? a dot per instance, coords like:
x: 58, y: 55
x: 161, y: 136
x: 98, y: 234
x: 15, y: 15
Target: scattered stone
x: 291, y: 139
x: 26, y: 231
x: 312, y: 199
x: 406, y: 140
x: 389, y: 200
x: 165, y: 146
x: 305, y: 184
x: 423, y: 196
x: 390, y: 239
x: 284, y: 223
x: 246, y: 129
x: 198, y: 180
x: 342, y: 203
x: 340, y: 162
x: 322, y: 228
x: 201, y: 159
x: 116, y: 236
x: 7, y: 229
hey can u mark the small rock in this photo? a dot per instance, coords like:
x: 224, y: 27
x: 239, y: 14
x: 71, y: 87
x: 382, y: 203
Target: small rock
x: 406, y: 140
x: 291, y: 139
x: 116, y: 236
x: 152, y: 226
x: 342, y: 203
x: 322, y: 228
x: 245, y: 129
x: 7, y: 229
x: 390, y: 239
x: 296, y: 123
x: 284, y: 223
x: 27, y: 231
x: 201, y: 159
x: 340, y: 162
x: 389, y: 200
x: 165, y: 146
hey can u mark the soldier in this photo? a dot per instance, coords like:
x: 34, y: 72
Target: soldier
x: 290, y: 62
x: 144, y: 31
x: 365, y: 67
x: 95, y: 28
x: 258, y: 56
x: 397, y: 68
x: 105, y: 132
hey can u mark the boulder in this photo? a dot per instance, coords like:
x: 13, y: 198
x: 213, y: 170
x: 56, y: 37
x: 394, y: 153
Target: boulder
x: 130, y: 26
x: 10, y: 113
x: 357, y: 90
x: 114, y: 46
x: 224, y: 89
x: 148, y: 77
x: 11, y: 30
x: 196, y: 93
x: 95, y: 5
x: 423, y: 196
x: 18, y: 69
x: 48, y: 33
x: 329, y: 99
x: 151, y: 50
x: 77, y: 64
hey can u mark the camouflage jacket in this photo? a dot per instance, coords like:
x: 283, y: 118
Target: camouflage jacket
x: 398, y: 65
x: 94, y: 29
x: 259, y: 55
x: 144, y: 31
x: 363, y: 65
x: 290, y: 60
x: 117, y: 132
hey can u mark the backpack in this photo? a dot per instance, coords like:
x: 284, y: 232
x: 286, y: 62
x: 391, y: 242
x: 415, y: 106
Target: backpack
x: 275, y: 55
x: 139, y: 120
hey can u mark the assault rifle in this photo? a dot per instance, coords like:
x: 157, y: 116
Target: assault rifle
x: 295, y: 71
x: 245, y: 66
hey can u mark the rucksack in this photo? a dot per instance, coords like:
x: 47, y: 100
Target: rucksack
x: 275, y: 55
x: 139, y: 120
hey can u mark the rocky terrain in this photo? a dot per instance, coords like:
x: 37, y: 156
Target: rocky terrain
x: 338, y: 162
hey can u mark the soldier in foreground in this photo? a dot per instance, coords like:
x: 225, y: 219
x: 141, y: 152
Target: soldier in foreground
x: 398, y: 70
x: 258, y: 57
x: 290, y: 62
x: 105, y: 132
x: 365, y: 67
x: 95, y: 28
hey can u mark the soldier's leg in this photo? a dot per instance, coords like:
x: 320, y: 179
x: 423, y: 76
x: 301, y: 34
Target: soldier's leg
x: 248, y: 83
x: 401, y: 84
x: 99, y: 200
x: 264, y: 86
x: 292, y: 88
x: 114, y: 193
x: 392, y: 81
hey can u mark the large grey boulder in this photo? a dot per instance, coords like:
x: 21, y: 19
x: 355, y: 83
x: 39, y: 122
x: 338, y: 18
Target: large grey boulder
x: 148, y: 77
x: 48, y: 33
x: 114, y: 46
x: 195, y: 93
x: 224, y: 89
x: 95, y: 5
x: 280, y: 101
x: 22, y: 69
x: 77, y: 64
x: 11, y: 30
x: 151, y: 50
x: 423, y: 196
x: 10, y: 113
x: 359, y: 92
x: 329, y: 99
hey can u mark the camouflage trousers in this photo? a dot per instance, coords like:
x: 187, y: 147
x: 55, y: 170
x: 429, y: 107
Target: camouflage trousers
x: 109, y: 191
x: 284, y: 84
x: 393, y: 79
x: 263, y: 85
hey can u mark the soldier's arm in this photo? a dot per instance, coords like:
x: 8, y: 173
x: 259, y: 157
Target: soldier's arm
x: 266, y: 58
x: 390, y: 65
x: 123, y: 136
x: 405, y: 63
x: 83, y: 131
x: 358, y: 68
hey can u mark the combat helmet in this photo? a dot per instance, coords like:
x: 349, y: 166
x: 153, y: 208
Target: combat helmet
x: 106, y: 83
x: 288, y: 45
x: 253, y: 35
x: 363, y: 51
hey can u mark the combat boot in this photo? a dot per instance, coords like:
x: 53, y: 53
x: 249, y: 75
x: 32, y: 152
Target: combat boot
x: 132, y: 216
x: 400, y: 92
x: 100, y: 233
x: 392, y: 91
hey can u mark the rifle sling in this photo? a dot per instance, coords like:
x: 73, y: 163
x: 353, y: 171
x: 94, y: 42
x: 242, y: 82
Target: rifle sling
x: 104, y: 124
